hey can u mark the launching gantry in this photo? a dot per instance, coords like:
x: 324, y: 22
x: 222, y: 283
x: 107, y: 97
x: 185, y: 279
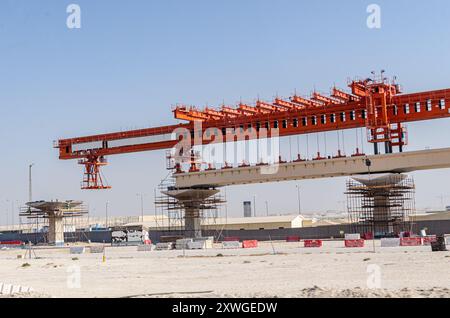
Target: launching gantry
x: 376, y: 104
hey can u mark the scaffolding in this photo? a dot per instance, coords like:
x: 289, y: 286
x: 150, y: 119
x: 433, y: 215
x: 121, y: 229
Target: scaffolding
x: 381, y: 205
x: 173, y: 210
x: 41, y: 216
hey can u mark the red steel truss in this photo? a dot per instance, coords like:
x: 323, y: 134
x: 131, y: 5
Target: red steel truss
x: 377, y: 105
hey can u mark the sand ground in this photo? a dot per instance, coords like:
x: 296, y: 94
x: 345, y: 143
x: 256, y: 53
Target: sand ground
x: 293, y: 271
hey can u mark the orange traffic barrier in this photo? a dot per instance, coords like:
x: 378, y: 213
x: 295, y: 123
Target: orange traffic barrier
x: 313, y: 243
x: 250, y: 244
x: 354, y: 243
x: 411, y: 241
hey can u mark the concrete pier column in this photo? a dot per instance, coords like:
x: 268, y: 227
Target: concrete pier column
x: 55, y: 230
x: 192, y: 223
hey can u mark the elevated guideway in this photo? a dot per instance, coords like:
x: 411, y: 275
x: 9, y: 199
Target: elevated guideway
x: 329, y: 168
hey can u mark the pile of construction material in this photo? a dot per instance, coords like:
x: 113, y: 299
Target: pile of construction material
x: 194, y: 243
x: 164, y: 246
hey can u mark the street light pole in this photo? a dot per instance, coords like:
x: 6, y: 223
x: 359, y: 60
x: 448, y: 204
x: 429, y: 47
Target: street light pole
x: 299, y: 202
x: 142, y: 206
x: 106, y: 214
x: 30, y: 186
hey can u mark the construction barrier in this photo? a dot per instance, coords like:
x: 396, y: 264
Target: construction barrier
x: 390, y: 242
x: 231, y: 239
x: 250, y: 244
x: 427, y: 240
x: 293, y: 239
x: 411, y: 241
x: 349, y: 237
x: 231, y: 244
x: 354, y: 243
x: 313, y: 243
x: 11, y: 243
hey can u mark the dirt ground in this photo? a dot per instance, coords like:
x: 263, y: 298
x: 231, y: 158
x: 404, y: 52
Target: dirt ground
x: 272, y: 270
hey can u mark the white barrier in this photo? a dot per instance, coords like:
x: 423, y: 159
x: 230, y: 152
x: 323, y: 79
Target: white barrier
x: 231, y: 244
x: 390, y: 242
x: 77, y: 250
x: 356, y: 236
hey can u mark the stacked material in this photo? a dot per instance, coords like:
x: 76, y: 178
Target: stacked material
x: 390, y: 242
x: 196, y: 245
x: 208, y: 241
x: 182, y: 244
x: 231, y: 244
x: 164, y: 246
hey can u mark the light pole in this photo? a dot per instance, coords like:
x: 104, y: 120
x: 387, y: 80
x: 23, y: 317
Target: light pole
x: 142, y: 206
x: 30, y: 186
x: 106, y: 213
x: 299, y: 202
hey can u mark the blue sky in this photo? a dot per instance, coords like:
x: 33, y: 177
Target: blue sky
x: 131, y: 61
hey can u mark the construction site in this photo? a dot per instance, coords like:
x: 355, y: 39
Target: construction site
x: 192, y: 242
x: 381, y: 215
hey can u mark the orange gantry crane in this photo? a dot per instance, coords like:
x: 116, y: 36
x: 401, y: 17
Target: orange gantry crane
x: 376, y: 104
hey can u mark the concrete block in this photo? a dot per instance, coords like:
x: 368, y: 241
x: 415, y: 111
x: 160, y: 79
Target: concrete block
x: 356, y: 236
x: 182, y: 244
x: 198, y: 245
x: 77, y: 250
x: 144, y: 248
x: 390, y: 242
x: 231, y: 244
x: 97, y: 249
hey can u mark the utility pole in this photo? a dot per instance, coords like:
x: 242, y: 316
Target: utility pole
x: 30, y: 186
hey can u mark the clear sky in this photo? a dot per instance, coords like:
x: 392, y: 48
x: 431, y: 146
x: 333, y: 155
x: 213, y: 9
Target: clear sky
x: 132, y: 60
